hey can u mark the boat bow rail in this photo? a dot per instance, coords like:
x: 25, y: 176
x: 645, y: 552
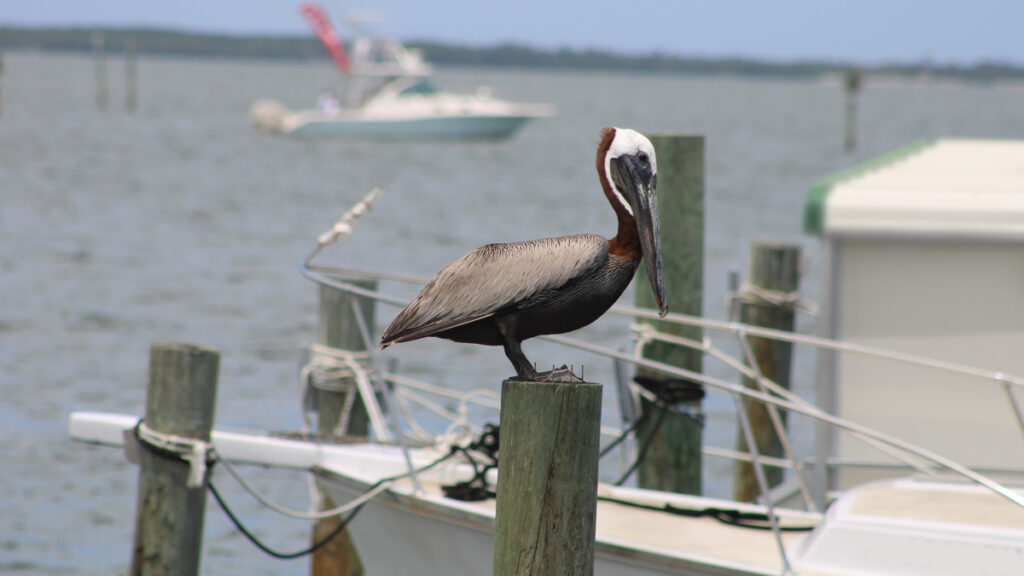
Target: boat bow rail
x: 718, y: 335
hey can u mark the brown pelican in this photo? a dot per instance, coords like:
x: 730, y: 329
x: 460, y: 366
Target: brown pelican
x: 502, y: 294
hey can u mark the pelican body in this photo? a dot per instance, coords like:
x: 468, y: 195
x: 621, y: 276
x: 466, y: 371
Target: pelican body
x: 502, y: 294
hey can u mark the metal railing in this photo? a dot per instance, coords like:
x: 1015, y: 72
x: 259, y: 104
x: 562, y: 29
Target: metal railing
x: 766, y: 391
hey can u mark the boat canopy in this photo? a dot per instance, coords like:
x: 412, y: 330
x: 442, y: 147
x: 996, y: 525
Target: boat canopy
x: 941, y: 188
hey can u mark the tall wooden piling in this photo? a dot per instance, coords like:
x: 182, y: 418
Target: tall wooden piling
x: 774, y: 268
x: 180, y: 400
x: 673, y: 458
x: 100, y: 56
x: 1, y: 83
x: 131, y: 76
x: 852, y: 80
x: 547, y: 481
x: 338, y: 328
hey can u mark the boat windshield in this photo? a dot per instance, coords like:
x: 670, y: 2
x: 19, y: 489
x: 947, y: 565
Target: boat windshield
x: 418, y: 89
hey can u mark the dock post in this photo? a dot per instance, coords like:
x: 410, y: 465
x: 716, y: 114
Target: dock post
x: 547, y: 481
x: 852, y: 80
x: 672, y: 461
x: 131, y: 76
x: 337, y: 328
x: 180, y: 400
x: 99, y: 54
x: 774, y: 268
x: 1, y: 83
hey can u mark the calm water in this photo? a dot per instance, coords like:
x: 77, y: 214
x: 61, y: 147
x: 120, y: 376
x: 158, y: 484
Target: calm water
x: 179, y: 222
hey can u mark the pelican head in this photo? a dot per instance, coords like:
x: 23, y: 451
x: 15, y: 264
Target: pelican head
x: 631, y: 169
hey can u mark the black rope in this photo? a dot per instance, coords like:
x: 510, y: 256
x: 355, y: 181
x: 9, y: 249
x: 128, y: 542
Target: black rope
x: 730, y: 516
x: 625, y: 434
x: 211, y: 460
x: 477, y: 488
x: 280, y: 555
x: 643, y: 449
x: 337, y: 530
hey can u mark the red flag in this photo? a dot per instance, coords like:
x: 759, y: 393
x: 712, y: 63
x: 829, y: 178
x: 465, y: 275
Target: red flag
x: 318, y: 21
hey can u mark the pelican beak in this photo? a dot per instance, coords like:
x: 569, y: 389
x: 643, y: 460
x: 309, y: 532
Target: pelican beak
x: 639, y: 183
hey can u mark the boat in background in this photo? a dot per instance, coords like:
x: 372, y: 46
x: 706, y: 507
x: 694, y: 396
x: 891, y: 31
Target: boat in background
x: 389, y: 96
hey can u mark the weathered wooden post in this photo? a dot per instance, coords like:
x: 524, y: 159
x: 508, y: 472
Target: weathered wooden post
x: 673, y: 459
x: 852, y: 80
x: 547, y: 481
x: 337, y: 328
x: 180, y: 400
x: 774, y: 268
x: 1, y: 83
x: 131, y: 76
x: 99, y: 54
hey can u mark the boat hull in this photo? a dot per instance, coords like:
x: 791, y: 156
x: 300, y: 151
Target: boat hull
x: 452, y: 128
x: 438, y: 538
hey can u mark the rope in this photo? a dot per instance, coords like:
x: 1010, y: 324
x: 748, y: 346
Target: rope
x: 334, y: 370
x: 317, y: 515
x: 378, y: 487
x: 751, y: 294
x: 197, y: 453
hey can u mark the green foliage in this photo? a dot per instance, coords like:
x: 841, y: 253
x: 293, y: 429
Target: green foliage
x: 177, y: 43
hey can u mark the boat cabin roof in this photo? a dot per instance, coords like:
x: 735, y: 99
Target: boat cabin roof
x: 937, y: 188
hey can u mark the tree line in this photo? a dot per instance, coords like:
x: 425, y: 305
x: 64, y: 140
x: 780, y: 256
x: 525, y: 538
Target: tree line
x: 180, y: 43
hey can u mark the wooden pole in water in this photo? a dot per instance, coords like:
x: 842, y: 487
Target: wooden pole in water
x: 1, y: 83
x: 852, y: 79
x: 774, y: 267
x: 337, y: 328
x: 99, y: 54
x: 672, y: 461
x: 547, y: 481
x: 180, y: 400
x: 131, y: 76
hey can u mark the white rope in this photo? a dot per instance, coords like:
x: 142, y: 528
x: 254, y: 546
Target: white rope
x: 192, y: 450
x: 343, y: 227
x: 318, y: 515
x: 751, y: 294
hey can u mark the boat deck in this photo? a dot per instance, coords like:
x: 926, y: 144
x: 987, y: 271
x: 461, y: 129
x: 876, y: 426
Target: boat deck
x: 629, y: 538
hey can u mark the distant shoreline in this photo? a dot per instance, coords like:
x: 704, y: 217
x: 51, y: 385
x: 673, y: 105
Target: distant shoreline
x: 165, y: 42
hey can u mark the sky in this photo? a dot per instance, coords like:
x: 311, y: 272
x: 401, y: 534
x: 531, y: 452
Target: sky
x: 858, y: 31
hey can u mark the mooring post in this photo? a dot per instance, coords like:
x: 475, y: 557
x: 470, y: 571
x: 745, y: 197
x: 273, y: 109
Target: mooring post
x: 852, y: 80
x: 180, y: 400
x: 774, y: 270
x: 338, y: 328
x: 99, y: 54
x: 131, y: 76
x: 547, y: 481
x: 672, y: 461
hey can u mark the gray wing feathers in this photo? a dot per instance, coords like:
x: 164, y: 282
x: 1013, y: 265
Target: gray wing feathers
x: 493, y: 277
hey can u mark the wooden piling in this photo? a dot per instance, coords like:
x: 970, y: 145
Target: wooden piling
x: 1, y: 83
x: 673, y: 459
x: 100, y: 56
x: 852, y: 80
x: 774, y: 267
x: 180, y: 400
x: 131, y: 76
x: 337, y: 328
x: 547, y: 481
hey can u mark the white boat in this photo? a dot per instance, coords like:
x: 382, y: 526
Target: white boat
x: 389, y: 96
x: 869, y: 502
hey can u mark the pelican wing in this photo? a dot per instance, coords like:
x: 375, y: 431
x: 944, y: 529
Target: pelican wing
x: 491, y: 278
